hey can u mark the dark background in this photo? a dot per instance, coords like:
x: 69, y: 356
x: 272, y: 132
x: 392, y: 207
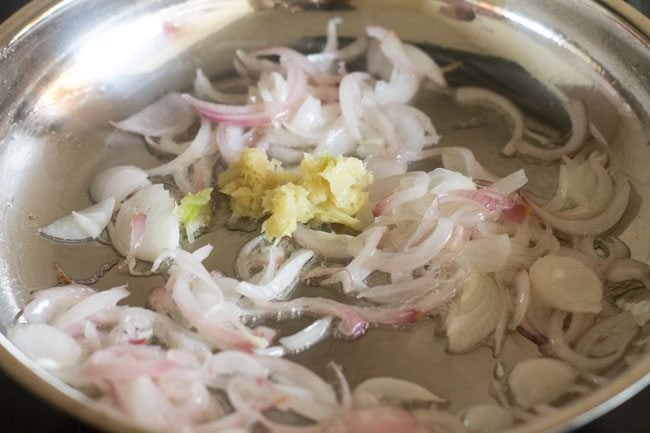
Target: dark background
x: 20, y: 412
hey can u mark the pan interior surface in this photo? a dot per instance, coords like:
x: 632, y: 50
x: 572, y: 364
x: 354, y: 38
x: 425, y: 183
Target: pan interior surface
x: 69, y: 68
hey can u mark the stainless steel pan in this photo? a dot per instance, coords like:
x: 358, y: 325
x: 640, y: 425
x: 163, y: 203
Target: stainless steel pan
x: 67, y: 67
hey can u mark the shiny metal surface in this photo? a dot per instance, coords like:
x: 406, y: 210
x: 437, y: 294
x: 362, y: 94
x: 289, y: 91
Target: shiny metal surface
x: 68, y: 67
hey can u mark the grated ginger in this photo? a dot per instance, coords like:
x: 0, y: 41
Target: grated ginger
x: 324, y: 189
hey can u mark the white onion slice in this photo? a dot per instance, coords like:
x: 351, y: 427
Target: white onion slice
x: 202, y: 145
x: 162, y: 229
x: 119, y: 182
x: 599, y: 200
x: 350, y: 95
x: 307, y: 337
x: 46, y: 345
x: 567, y: 284
x: 608, y: 338
x: 487, y: 254
x: 281, y: 284
x: 510, y: 183
x: 81, y: 225
x: 443, y: 181
x: 49, y: 303
x: 577, y: 112
x: 487, y: 418
x: 169, y: 115
x: 474, y: 315
x: 204, y: 88
x: 90, y: 305
x: 323, y: 243
x: 380, y: 391
x: 425, y: 64
x: 400, y: 89
x: 383, y: 166
x: 476, y: 95
x: 595, y: 225
x: 416, y: 256
x: 540, y: 380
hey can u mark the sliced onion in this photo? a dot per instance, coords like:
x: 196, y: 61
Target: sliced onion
x: 412, y: 125
x: 281, y: 284
x: 81, y: 225
x: 596, y: 225
x: 600, y: 199
x: 201, y: 146
x: 567, y: 284
x: 540, y: 380
x: 49, y: 303
x: 323, y: 243
x: 258, y: 114
x: 393, y: 48
x: 383, y: 166
x: 476, y: 95
x: 229, y: 363
x: 577, y: 112
x: 608, y: 338
x: 474, y: 315
x: 170, y: 115
x: 416, y: 256
x: 221, y: 333
x: 444, y: 181
x: 350, y: 95
x: 162, y: 230
x: 46, y: 345
x: 425, y: 64
x: 486, y: 254
x: 307, y: 337
x: 487, y: 418
x: 119, y: 182
x: 89, y: 306
x: 380, y: 391
x: 401, y: 88
x: 288, y: 55
x: 411, y: 188
x: 350, y: 52
x: 522, y: 300
x: 510, y: 183
x: 204, y: 88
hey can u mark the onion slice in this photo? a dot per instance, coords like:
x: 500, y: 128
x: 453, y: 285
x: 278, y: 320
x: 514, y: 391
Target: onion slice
x: 475, y: 314
x: 597, y: 224
x: 476, y: 95
x: 380, y: 391
x: 46, y: 345
x: 170, y: 115
x: 84, y: 224
x: 542, y: 380
x: 567, y: 284
x: 577, y: 112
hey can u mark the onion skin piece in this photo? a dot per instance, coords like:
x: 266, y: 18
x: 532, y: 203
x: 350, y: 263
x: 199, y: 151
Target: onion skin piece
x: 567, y: 284
x: 540, y: 380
